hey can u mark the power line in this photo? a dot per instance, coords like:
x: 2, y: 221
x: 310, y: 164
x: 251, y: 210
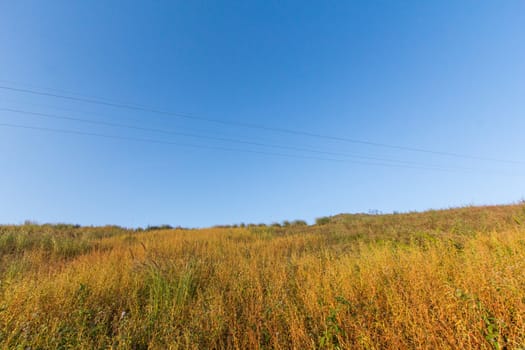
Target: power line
x: 108, y: 103
x: 46, y: 106
x: 63, y: 91
x: 162, y: 142
x: 171, y: 132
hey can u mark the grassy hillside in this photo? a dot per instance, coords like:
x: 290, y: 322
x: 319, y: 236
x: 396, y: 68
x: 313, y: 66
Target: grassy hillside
x: 439, y: 279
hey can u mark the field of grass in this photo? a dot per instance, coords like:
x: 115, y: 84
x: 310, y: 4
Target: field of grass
x: 440, y: 279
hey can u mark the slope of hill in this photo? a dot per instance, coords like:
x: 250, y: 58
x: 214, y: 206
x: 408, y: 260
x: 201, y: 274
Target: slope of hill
x: 439, y: 279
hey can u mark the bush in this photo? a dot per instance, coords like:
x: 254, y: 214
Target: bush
x: 322, y: 221
x: 300, y: 223
x: 161, y: 227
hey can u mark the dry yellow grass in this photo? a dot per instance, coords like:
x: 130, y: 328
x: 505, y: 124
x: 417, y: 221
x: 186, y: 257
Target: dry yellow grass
x: 437, y: 280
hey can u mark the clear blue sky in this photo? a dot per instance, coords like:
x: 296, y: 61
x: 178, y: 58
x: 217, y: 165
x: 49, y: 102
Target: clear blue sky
x: 446, y: 76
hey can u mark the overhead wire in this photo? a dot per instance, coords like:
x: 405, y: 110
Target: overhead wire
x: 108, y: 103
x: 186, y: 134
x: 163, y: 142
x: 146, y: 140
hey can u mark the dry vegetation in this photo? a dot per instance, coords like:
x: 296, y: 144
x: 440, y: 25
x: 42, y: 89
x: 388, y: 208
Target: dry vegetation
x: 439, y: 279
